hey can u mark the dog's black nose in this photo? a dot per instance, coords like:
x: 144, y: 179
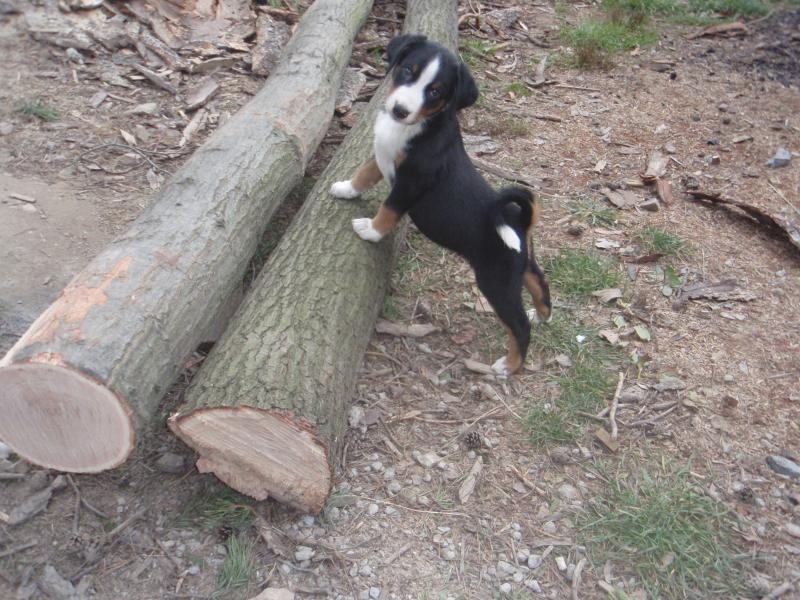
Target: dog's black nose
x: 399, y: 112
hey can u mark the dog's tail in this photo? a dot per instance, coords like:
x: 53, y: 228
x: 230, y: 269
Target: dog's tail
x: 527, y: 217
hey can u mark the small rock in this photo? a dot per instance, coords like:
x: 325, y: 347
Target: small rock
x: 5, y: 451
x: 561, y: 563
x: 372, y: 509
x: 374, y: 592
x: 784, y: 466
x: 356, y: 416
x: 713, y: 159
x: 792, y: 529
x: 533, y: 586
x: 534, y: 561
x: 651, y: 205
x: 302, y: 553
x: 549, y: 527
x: 193, y: 570
x: 522, y: 555
x: 148, y: 108
x: 272, y: 593
x: 568, y: 492
x: 670, y: 148
x: 505, y: 588
x: 505, y: 569
x: 6, y: 128
x: 426, y: 460
x: 55, y: 586
x: 728, y: 378
x: 390, y: 511
x: 365, y: 570
x: 394, y: 487
x: 75, y: 56
x: 449, y: 554
x: 781, y: 159
x: 669, y: 383
x: 169, y: 462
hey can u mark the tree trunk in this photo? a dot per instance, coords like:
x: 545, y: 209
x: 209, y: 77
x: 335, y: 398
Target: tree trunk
x: 90, y: 371
x: 267, y: 410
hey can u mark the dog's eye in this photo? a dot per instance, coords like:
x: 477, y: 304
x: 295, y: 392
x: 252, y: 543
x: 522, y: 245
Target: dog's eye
x: 433, y: 93
x: 406, y: 72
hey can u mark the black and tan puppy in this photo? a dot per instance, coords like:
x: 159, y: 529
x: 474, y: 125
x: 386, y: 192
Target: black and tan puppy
x: 420, y: 152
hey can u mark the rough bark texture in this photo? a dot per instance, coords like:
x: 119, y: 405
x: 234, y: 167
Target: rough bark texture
x: 295, y: 345
x: 122, y: 329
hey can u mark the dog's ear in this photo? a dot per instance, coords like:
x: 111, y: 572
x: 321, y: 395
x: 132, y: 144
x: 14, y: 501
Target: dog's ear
x: 400, y: 46
x: 466, y: 90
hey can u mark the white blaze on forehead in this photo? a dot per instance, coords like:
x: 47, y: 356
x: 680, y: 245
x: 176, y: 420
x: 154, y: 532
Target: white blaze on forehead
x: 411, y: 96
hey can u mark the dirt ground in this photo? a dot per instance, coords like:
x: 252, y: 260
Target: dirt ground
x: 394, y: 528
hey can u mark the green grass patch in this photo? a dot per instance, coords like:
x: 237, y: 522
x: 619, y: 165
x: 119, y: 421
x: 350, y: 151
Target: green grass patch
x: 518, y: 89
x: 238, y: 569
x: 655, y: 240
x: 595, y: 41
x: 577, y: 273
x: 690, y: 12
x: 584, y: 386
x: 593, y: 212
x: 674, y: 539
x: 443, y: 499
x: 222, y: 510
x: 474, y: 50
x: 39, y: 110
x: 508, y: 127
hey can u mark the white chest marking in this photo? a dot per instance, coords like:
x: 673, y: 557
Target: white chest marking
x: 391, y: 138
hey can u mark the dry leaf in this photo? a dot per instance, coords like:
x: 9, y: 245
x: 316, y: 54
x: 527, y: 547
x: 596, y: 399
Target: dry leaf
x: 642, y: 332
x: 606, y: 244
x: 605, y: 437
x: 478, y: 367
x: 129, y: 138
x: 664, y: 191
x: 482, y: 305
x: 623, y: 199
x: 608, y: 294
x: 398, y: 329
x: 466, y: 489
x: 600, y: 166
x: 611, y: 336
x: 656, y: 166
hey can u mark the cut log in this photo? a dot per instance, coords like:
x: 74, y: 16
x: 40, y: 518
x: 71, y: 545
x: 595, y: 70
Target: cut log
x: 267, y: 410
x: 91, y: 370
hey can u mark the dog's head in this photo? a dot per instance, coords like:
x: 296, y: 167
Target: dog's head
x: 426, y: 79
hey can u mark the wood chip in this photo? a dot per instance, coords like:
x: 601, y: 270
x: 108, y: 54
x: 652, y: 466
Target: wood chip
x: 622, y: 199
x: 478, y: 367
x: 656, y: 167
x: 722, y: 291
x: 400, y: 330
x: 201, y: 93
x: 195, y: 125
x: 664, y: 191
x: 608, y: 294
x: 606, y: 439
x: 98, y: 98
x: 156, y: 79
x: 35, y: 503
x: 468, y: 486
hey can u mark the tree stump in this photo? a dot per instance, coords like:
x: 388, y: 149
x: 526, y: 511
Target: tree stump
x: 267, y: 410
x: 90, y: 371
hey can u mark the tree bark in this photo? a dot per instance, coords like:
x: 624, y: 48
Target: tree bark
x: 90, y: 371
x: 267, y: 411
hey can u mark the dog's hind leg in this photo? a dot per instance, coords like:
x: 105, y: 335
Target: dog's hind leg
x: 535, y: 283
x: 504, y: 293
x: 367, y: 175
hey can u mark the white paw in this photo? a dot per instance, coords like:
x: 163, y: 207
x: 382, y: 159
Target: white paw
x: 534, y: 317
x: 365, y: 230
x: 344, y: 189
x: 500, y: 367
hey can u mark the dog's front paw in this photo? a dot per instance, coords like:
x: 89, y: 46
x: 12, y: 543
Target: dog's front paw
x: 533, y: 317
x: 365, y: 230
x: 501, y: 368
x: 344, y: 189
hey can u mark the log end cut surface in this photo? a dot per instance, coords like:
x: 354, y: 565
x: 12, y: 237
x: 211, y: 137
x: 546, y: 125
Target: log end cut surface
x: 58, y: 418
x: 260, y: 453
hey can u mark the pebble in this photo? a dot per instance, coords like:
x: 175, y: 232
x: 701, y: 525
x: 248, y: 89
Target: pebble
x: 784, y: 466
x: 393, y: 487
x: 781, y: 159
x: 193, y: 570
x: 365, y: 570
x: 670, y: 148
x: 534, y: 586
x: 169, y: 462
x: 389, y: 473
x: 505, y: 569
x: 6, y: 128
x: 372, y: 509
x: 390, y: 511
x: 272, y: 593
x: 728, y: 378
x: 549, y: 527
x: 792, y: 529
x: 534, y: 561
x: 302, y: 553
x: 377, y: 466
x: 449, y: 554
x: 505, y: 588
x: 568, y: 492
x: 374, y: 592
x: 561, y: 563
x: 522, y: 555
x: 426, y: 460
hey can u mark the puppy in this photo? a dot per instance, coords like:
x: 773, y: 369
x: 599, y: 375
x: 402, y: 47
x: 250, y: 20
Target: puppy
x: 420, y: 152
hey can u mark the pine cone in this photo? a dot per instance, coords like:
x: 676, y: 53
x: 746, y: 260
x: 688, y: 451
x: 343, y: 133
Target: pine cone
x: 473, y: 440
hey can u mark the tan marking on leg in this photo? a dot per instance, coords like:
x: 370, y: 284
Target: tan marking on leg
x: 534, y: 287
x: 368, y: 175
x: 513, y: 357
x: 385, y: 220
x: 399, y: 158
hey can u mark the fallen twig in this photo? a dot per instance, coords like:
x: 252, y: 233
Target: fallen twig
x: 576, y: 578
x: 506, y: 174
x: 612, y: 413
x: 396, y: 555
x: 19, y: 548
